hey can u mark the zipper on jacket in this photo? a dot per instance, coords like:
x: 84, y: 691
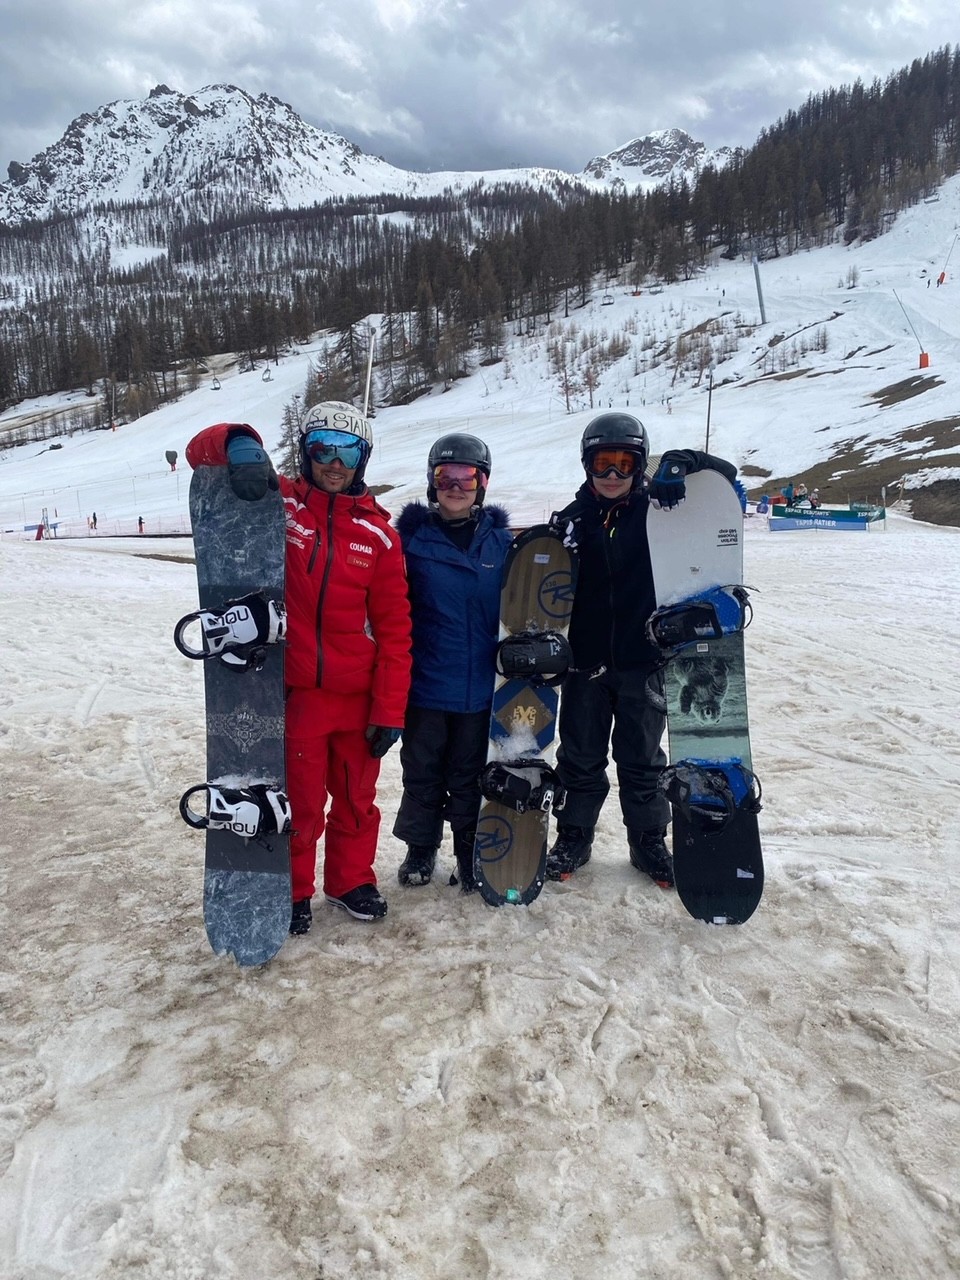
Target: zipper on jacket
x: 328, y: 565
x: 607, y: 535
x: 313, y: 554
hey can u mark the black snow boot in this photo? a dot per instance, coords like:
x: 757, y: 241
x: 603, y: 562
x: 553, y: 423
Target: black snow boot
x: 463, y: 842
x: 648, y: 853
x: 417, y: 866
x: 301, y: 917
x: 571, y: 850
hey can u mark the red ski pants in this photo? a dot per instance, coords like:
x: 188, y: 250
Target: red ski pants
x: 335, y: 766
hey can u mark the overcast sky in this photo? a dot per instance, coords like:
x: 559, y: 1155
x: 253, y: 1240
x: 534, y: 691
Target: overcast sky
x: 461, y: 84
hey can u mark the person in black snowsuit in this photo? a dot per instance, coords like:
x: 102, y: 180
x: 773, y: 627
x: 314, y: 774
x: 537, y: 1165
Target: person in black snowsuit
x: 616, y: 682
x: 455, y: 550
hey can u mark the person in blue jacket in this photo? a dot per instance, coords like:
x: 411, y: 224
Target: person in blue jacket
x: 455, y: 548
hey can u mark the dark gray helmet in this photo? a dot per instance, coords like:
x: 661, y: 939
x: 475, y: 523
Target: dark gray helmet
x: 615, y: 430
x: 459, y: 447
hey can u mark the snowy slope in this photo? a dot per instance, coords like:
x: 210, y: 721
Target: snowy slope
x: 778, y: 405
x: 592, y: 1086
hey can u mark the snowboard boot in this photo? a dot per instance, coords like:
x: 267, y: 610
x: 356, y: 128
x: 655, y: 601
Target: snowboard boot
x: 649, y: 853
x: 301, y: 917
x: 417, y: 866
x: 571, y: 850
x: 363, y: 903
x: 463, y: 842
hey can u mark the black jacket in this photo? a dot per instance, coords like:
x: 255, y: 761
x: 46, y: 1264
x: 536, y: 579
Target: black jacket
x: 615, y: 594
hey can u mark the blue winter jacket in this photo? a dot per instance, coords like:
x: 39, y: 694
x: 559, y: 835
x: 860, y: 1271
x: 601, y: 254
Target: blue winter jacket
x: 454, y: 606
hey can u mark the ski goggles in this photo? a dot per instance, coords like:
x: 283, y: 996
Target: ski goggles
x: 325, y: 446
x: 624, y: 463
x: 457, y: 475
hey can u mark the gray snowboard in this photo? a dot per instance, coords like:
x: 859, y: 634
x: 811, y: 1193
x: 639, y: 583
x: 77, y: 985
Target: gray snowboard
x: 694, y: 547
x: 240, y: 549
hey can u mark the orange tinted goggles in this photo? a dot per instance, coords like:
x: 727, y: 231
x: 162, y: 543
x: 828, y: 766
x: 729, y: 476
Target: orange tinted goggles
x: 602, y: 461
x: 458, y: 475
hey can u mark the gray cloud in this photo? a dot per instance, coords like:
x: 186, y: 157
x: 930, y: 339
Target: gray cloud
x: 473, y: 84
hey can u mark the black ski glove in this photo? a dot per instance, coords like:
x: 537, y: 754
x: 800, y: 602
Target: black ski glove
x: 250, y: 469
x: 668, y: 486
x: 381, y: 739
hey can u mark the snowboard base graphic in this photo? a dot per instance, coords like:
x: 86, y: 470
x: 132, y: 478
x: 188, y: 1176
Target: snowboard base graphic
x: 697, y: 546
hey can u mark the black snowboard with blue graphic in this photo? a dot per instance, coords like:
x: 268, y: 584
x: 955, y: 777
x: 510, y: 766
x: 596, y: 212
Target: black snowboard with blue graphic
x: 694, y: 549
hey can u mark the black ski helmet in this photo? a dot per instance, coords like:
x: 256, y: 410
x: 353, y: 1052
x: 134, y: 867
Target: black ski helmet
x: 457, y: 447
x: 336, y: 415
x: 615, y: 430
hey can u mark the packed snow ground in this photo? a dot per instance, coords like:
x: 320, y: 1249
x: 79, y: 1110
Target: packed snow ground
x: 596, y: 1085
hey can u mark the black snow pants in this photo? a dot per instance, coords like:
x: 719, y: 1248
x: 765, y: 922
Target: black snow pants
x: 589, y: 707
x: 441, y: 754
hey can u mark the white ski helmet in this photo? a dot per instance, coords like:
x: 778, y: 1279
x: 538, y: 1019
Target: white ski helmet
x: 336, y: 415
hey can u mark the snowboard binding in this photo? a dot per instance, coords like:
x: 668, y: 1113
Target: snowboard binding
x: 239, y: 634
x: 540, y: 657
x: 718, y: 612
x: 710, y: 793
x: 522, y: 785
x: 247, y: 811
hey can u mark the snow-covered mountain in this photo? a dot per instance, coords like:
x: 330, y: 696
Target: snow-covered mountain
x: 221, y: 138
x: 668, y: 154
x: 218, y: 141
x: 222, y: 143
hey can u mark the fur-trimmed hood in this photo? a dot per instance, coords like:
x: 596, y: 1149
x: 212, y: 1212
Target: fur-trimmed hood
x: 415, y: 515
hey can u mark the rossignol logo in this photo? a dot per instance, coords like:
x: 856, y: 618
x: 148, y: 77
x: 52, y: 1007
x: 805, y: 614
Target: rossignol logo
x: 359, y: 546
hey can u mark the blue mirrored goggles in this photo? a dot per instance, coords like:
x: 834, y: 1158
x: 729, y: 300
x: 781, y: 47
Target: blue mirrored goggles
x: 326, y: 446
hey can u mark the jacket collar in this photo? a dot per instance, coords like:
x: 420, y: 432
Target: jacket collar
x: 414, y: 516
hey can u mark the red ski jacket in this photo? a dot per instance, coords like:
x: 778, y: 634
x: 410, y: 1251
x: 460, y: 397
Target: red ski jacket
x: 348, y: 612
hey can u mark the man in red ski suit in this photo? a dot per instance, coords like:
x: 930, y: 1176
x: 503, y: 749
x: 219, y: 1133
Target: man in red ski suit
x: 347, y: 660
